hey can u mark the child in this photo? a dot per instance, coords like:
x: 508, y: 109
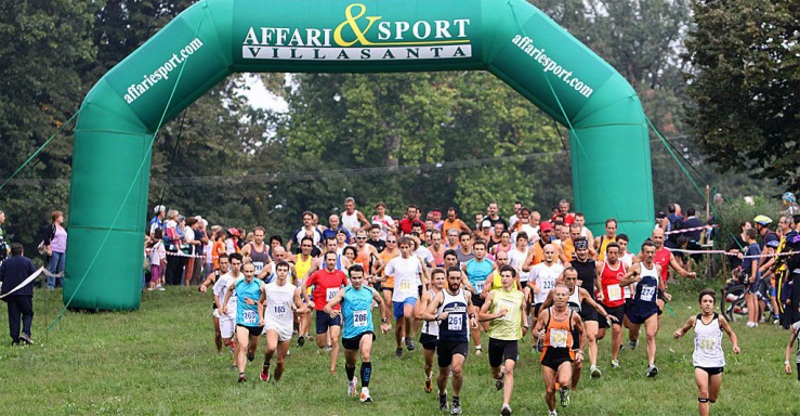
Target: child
x: 708, y: 357
x: 158, y: 260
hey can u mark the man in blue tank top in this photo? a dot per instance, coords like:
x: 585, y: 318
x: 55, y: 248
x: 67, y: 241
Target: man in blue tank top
x: 357, y: 331
x: 450, y: 308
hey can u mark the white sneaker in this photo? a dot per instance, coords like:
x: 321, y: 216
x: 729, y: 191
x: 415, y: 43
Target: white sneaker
x: 614, y: 363
x: 595, y: 372
x: 553, y: 413
x: 365, y: 397
x: 652, y: 370
x: 351, y: 387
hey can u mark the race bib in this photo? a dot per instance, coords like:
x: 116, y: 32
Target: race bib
x: 548, y: 284
x: 479, y: 286
x: 250, y: 317
x: 558, y: 337
x: 455, y: 322
x: 280, y: 309
x: 360, y: 318
x: 708, y: 344
x: 405, y: 286
x: 614, y: 292
x: 508, y: 306
x: 647, y: 293
x: 259, y: 266
x: 330, y: 293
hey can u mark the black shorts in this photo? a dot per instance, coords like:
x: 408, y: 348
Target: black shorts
x: 419, y: 291
x: 324, y: 321
x: 588, y: 313
x: 502, y: 350
x: 554, y: 357
x: 445, y: 350
x: 477, y: 300
x: 536, y: 308
x: 387, y: 289
x: 618, y: 312
x: 255, y: 331
x: 712, y: 371
x: 355, y: 342
x: 428, y: 341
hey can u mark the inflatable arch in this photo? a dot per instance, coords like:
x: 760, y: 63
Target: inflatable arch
x: 214, y: 38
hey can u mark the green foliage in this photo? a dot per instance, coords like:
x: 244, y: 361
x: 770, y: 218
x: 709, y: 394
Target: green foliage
x: 732, y: 213
x: 745, y: 84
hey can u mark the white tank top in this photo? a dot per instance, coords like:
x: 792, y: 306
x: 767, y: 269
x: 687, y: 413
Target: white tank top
x: 708, y: 344
x: 278, y: 313
x: 516, y: 260
x: 574, y: 301
x: 351, y: 221
x: 627, y: 261
x: 431, y: 327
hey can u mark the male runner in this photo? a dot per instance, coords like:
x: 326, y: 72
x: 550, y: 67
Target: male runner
x: 555, y: 328
x: 279, y: 299
x: 449, y: 308
x: 407, y: 271
x: 327, y: 283
x: 508, y: 324
x: 477, y: 270
x: 226, y: 321
x: 643, y: 307
x: 258, y: 252
x: 430, y: 330
x: 608, y: 285
x: 587, y: 274
x: 464, y: 250
x: 355, y: 307
x: 249, y: 318
x: 203, y: 288
x: 601, y: 242
x: 302, y: 267
x: 542, y: 279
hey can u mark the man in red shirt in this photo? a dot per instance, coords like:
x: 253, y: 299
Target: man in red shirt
x: 327, y: 283
x: 665, y: 259
x: 608, y: 274
x: 405, y: 225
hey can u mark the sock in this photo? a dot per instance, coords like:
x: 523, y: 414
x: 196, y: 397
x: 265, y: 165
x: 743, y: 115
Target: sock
x: 349, y: 372
x: 265, y: 368
x: 366, y: 373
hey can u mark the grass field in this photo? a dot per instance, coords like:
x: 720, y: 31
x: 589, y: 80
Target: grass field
x: 161, y: 360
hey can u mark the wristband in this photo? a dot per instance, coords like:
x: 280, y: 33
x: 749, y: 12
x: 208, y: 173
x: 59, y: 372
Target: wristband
x: 384, y: 320
x: 787, y: 362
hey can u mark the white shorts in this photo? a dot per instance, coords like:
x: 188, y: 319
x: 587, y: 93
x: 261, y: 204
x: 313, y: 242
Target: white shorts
x: 227, y: 324
x: 284, y: 333
x: 216, y: 313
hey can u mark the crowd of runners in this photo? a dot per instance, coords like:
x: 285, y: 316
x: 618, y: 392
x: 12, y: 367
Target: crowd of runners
x: 452, y: 287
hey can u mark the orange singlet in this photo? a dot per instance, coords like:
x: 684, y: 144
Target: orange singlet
x: 558, y: 335
x: 385, y: 257
x: 364, y: 257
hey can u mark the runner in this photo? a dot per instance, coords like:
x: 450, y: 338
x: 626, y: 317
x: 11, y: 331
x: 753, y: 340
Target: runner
x: 437, y: 248
x: 302, y: 266
x: 354, y: 308
x: 464, y: 250
x: 452, y: 222
x: 449, y: 308
x: 387, y: 281
x: 542, y: 279
x: 279, y: 299
x: 366, y: 254
x: 708, y: 358
x: 508, y: 324
x: 226, y: 322
x: 222, y: 262
x: 666, y: 260
x: 352, y: 219
x: 587, y: 276
x: 375, y: 239
x: 578, y: 297
x: 407, y: 271
x: 610, y: 295
x: 793, y: 334
x: 249, y: 314
x: 430, y: 331
x: 601, y: 242
x: 258, y: 252
x: 477, y: 270
x: 385, y: 223
x: 326, y: 283
x: 643, y: 307
x: 555, y: 328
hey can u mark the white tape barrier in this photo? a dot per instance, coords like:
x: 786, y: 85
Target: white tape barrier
x: 728, y: 253
x: 29, y: 279
x: 688, y: 230
x: 181, y: 254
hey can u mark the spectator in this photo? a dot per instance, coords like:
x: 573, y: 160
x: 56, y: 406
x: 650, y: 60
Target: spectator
x: 55, y: 242
x: 173, y: 239
x: 157, y: 221
x: 158, y: 260
x: 4, y: 248
x: 13, y: 272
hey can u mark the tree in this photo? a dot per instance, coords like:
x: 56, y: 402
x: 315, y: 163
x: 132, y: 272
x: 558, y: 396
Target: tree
x: 745, y: 86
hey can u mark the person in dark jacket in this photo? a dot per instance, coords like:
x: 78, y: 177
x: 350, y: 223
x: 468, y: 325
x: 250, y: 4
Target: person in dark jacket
x: 14, y: 271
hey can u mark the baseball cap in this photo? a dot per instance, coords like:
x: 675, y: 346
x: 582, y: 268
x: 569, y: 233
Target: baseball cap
x: 546, y: 226
x: 486, y: 224
x: 233, y: 231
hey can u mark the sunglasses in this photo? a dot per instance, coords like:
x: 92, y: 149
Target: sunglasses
x: 361, y: 238
x: 391, y: 241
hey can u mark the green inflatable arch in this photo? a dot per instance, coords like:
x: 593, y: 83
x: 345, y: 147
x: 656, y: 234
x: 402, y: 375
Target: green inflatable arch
x: 214, y: 38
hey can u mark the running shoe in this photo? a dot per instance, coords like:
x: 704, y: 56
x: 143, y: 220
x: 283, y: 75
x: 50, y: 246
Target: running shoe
x: 563, y: 393
x: 614, y: 363
x: 351, y: 387
x: 365, y: 397
x: 498, y: 382
x: 26, y: 339
x: 398, y: 352
x: 410, y: 344
x: 478, y: 350
x: 595, y: 372
x: 242, y: 378
x: 251, y: 356
x: 429, y: 383
x: 652, y: 370
x: 328, y: 348
x: 505, y: 410
x: 553, y: 413
x: 443, y: 401
x: 455, y: 409
x: 301, y: 340
x: 264, y: 376
x: 633, y: 344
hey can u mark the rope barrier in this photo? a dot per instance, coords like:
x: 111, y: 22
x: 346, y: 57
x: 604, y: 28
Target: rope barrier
x: 728, y: 253
x: 688, y: 230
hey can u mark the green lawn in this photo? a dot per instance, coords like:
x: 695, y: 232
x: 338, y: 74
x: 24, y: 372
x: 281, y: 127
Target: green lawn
x: 161, y: 360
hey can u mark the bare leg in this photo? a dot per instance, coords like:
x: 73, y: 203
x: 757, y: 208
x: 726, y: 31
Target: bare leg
x: 508, y: 382
x: 591, y: 336
x: 549, y: 377
x: 217, y: 335
x: 651, y: 329
x: 283, y: 348
x: 334, y: 333
x: 458, y: 374
x: 701, y: 378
